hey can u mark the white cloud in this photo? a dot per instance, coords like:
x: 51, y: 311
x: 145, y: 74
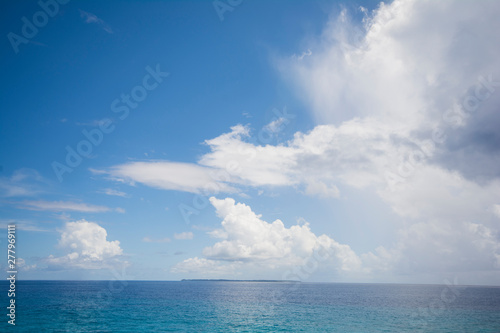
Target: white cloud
x: 253, y: 165
x: 22, y: 225
x: 88, y: 248
x: 410, y: 55
x: 275, y: 126
x: 184, y: 235
x: 415, y: 66
x: 251, y: 238
x: 92, y: 18
x: 23, y: 183
x: 113, y: 192
x: 356, y: 152
x: 62, y: 206
x: 21, y: 265
x: 304, y: 54
x: 251, y: 242
x: 353, y: 153
x: 170, y: 176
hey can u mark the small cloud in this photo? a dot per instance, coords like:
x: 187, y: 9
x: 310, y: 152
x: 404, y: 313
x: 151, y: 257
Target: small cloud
x: 120, y: 210
x: 61, y: 206
x: 63, y: 216
x: 304, y: 54
x: 22, y: 183
x: 21, y: 264
x: 244, y: 195
x: 178, y: 253
x: 110, y: 191
x: 184, y: 235
x: 87, y: 247
x: 97, y: 172
x: 275, y: 126
x: 21, y: 225
x: 162, y: 240
x: 93, y: 19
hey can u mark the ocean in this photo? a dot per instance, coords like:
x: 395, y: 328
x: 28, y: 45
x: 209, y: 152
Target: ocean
x: 213, y: 306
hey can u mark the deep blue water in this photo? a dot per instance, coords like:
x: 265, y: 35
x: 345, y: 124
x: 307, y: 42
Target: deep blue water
x: 191, y: 306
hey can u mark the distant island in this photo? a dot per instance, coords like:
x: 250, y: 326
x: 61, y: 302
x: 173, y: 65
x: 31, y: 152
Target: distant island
x: 226, y: 280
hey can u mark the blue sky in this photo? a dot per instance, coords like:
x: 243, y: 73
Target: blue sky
x: 245, y: 139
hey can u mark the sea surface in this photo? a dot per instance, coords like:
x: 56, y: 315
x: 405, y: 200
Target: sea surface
x: 212, y: 306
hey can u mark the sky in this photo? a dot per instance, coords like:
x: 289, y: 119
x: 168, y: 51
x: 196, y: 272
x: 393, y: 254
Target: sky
x: 321, y: 141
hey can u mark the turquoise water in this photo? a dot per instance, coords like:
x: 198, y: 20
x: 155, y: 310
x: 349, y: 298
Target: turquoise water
x: 193, y: 306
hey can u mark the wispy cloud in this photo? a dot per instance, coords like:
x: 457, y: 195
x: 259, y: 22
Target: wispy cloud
x: 92, y: 123
x: 62, y: 206
x: 93, y: 19
x: 22, y: 183
x: 21, y: 225
x: 184, y: 235
x: 304, y: 54
x: 113, y: 192
x: 21, y: 264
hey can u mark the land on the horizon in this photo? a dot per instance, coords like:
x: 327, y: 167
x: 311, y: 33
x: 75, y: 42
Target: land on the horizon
x: 229, y: 280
